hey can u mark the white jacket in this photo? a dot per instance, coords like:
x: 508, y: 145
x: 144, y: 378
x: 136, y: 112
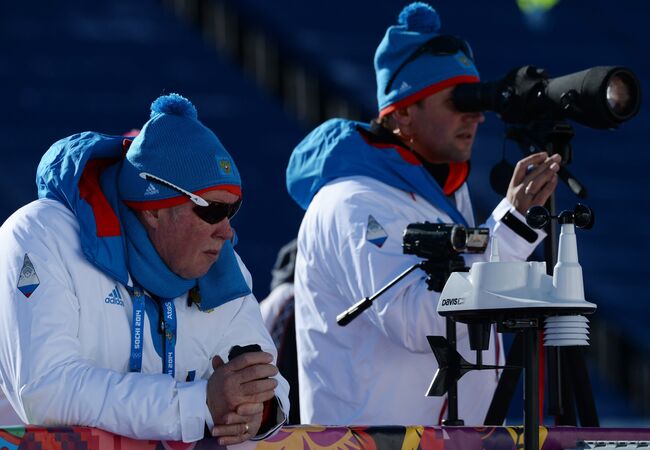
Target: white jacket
x: 376, y: 370
x: 64, y: 349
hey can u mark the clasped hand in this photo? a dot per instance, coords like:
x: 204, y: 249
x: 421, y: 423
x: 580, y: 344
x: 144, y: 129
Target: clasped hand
x: 236, y: 394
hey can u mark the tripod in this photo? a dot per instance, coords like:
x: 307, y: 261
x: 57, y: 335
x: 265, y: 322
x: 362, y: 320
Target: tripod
x: 565, y: 365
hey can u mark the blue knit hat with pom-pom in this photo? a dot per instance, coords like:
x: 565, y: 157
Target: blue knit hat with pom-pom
x: 174, y: 146
x: 425, y: 75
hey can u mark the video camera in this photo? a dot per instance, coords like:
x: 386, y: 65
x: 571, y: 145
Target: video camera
x: 599, y: 97
x: 441, y: 245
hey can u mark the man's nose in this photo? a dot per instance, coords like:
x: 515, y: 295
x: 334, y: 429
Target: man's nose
x: 475, y: 116
x: 223, y: 230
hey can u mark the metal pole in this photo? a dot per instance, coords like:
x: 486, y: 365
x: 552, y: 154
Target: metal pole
x: 452, y: 391
x: 531, y: 383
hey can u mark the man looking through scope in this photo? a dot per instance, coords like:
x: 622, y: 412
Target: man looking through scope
x: 361, y: 185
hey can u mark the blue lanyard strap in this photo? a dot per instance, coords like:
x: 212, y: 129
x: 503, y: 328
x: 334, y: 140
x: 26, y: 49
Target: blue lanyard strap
x: 167, y: 327
x: 135, y: 362
x: 168, y: 324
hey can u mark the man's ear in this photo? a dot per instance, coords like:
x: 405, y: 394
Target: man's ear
x: 149, y: 217
x: 403, y: 119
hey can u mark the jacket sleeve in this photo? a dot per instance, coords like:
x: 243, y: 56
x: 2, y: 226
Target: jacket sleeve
x: 516, y: 240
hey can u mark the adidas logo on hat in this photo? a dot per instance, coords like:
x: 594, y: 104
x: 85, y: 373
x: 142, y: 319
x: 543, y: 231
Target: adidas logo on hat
x: 404, y: 87
x: 151, y: 190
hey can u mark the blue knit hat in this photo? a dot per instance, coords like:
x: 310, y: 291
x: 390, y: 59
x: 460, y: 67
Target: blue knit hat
x: 174, y: 146
x: 426, y: 74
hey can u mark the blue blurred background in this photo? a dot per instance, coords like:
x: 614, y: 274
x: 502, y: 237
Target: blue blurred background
x: 263, y: 73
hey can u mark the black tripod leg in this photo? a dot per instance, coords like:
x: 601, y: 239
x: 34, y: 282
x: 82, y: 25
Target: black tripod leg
x: 568, y: 385
x: 507, y: 385
x: 584, y: 397
x: 452, y: 391
x: 531, y: 389
x: 554, y: 384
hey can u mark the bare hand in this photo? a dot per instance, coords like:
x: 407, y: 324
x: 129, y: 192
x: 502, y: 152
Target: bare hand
x: 236, y: 393
x: 533, y: 181
x: 239, y: 427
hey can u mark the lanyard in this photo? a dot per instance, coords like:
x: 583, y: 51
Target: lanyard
x: 135, y: 362
x: 167, y: 328
x: 168, y: 325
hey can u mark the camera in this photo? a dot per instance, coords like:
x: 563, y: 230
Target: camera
x: 441, y: 245
x: 439, y: 241
x: 599, y: 97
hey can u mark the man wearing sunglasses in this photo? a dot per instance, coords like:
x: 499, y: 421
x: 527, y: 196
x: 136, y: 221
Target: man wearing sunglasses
x: 122, y: 300
x: 361, y: 185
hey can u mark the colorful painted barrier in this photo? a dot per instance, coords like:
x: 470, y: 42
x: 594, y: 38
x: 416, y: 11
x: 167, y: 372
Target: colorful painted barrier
x: 306, y: 437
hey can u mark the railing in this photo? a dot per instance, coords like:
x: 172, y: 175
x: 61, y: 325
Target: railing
x: 346, y: 438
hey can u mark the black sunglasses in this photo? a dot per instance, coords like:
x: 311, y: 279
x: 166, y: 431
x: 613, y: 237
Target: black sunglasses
x: 444, y: 45
x: 215, y: 212
x: 210, y: 212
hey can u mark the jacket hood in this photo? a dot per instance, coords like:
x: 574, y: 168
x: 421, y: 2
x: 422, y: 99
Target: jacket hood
x: 338, y: 148
x: 64, y: 174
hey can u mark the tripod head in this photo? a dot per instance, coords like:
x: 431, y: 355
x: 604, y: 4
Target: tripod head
x: 441, y: 245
